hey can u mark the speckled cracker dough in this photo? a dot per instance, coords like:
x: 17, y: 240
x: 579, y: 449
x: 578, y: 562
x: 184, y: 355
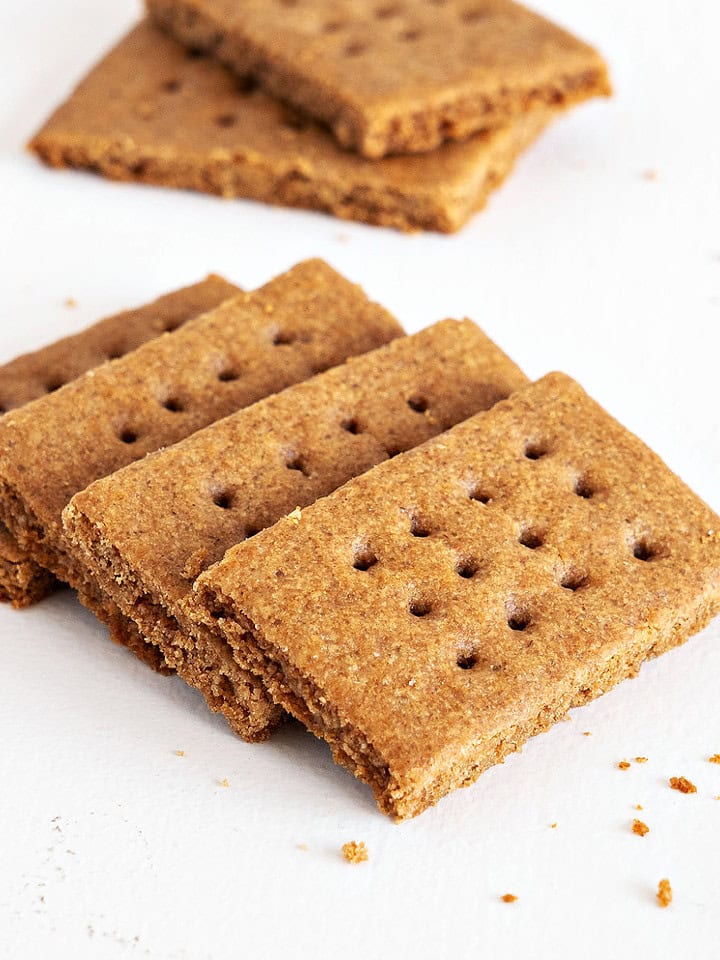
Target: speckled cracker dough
x: 432, y: 615
x: 145, y: 533
x: 394, y: 77
x: 22, y: 581
x: 151, y: 113
x: 306, y: 320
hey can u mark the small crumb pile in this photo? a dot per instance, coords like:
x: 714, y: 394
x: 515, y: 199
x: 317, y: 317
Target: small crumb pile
x: 683, y: 785
x: 664, y: 893
x: 715, y: 758
x: 640, y: 828
x: 355, y: 852
x: 624, y: 765
x: 508, y: 898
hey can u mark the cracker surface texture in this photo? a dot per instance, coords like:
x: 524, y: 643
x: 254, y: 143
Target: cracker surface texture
x: 145, y: 533
x: 394, y: 78
x: 167, y: 389
x: 525, y: 562
x: 152, y: 114
x: 33, y: 375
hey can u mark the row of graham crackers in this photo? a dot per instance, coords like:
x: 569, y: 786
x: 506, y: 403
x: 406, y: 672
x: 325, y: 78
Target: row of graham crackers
x: 402, y: 114
x: 418, y: 553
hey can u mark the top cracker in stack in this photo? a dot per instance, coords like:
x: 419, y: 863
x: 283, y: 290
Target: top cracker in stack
x: 394, y: 77
x: 433, y: 614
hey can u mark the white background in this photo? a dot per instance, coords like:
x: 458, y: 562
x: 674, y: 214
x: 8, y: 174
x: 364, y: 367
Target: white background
x: 113, y: 846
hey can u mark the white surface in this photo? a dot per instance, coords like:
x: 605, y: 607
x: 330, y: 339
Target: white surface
x: 112, y: 846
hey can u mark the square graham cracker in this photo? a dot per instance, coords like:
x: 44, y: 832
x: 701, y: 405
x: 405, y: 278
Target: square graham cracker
x: 430, y: 616
x: 394, y: 77
x: 145, y: 533
x: 151, y: 112
x: 303, y: 321
x: 22, y: 581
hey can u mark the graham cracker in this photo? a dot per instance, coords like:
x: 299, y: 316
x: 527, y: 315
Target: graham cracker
x: 145, y: 533
x: 305, y: 320
x: 391, y: 77
x: 150, y: 112
x: 22, y: 581
x: 430, y: 616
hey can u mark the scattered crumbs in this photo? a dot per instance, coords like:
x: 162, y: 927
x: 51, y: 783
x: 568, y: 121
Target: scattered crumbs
x: 553, y: 826
x: 715, y: 758
x: 303, y: 846
x: 179, y: 753
x: 641, y: 759
x: 650, y: 175
x: 587, y: 733
x: 508, y: 898
x: 355, y: 852
x: 294, y: 516
x: 70, y: 303
x: 624, y: 765
x: 638, y: 806
x: 224, y: 782
x: 640, y: 828
x: 683, y: 785
x: 664, y: 893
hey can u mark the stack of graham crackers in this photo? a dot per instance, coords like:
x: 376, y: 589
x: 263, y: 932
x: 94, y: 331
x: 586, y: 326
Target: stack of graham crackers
x: 399, y: 540
x: 406, y: 114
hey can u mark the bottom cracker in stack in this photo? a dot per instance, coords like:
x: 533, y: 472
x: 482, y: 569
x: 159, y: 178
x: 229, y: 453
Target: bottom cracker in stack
x: 433, y: 614
x: 146, y: 532
x: 24, y: 379
x: 155, y: 113
x: 307, y: 319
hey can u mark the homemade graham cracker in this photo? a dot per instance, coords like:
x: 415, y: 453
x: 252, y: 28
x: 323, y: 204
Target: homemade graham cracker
x: 306, y: 320
x: 392, y: 78
x: 152, y: 113
x: 433, y: 614
x: 22, y: 581
x: 145, y: 533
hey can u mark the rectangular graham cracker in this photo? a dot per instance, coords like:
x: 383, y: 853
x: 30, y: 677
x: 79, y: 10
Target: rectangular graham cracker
x: 432, y: 615
x: 43, y: 371
x: 304, y: 321
x: 394, y: 77
x: 146, y: 532
x: 150, y: 112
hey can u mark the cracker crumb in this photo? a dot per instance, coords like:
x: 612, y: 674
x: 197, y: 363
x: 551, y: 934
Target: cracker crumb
x: 508, y: 898
x: 641, y: 759
x: 303, y: 846
x: 587, y: 733
x: 650, y: 175
x: 683, y: 785
x: 224, y: 782
x: 553, y: 826
x: 342, y: 237
x: 355, y: 852
x: 624, y: 765
x: 195, y: 564
x: 70, y: 303
x: 664, y: 893
x: 294, y: 516
x: 640, y: 828
x: 179, y: 753
x: 638, y: 806
x: 715, y: 758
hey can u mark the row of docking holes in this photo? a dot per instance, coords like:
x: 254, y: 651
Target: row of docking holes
x: 390, y: 13
x: 225, y: 499
x: 226, y: 373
